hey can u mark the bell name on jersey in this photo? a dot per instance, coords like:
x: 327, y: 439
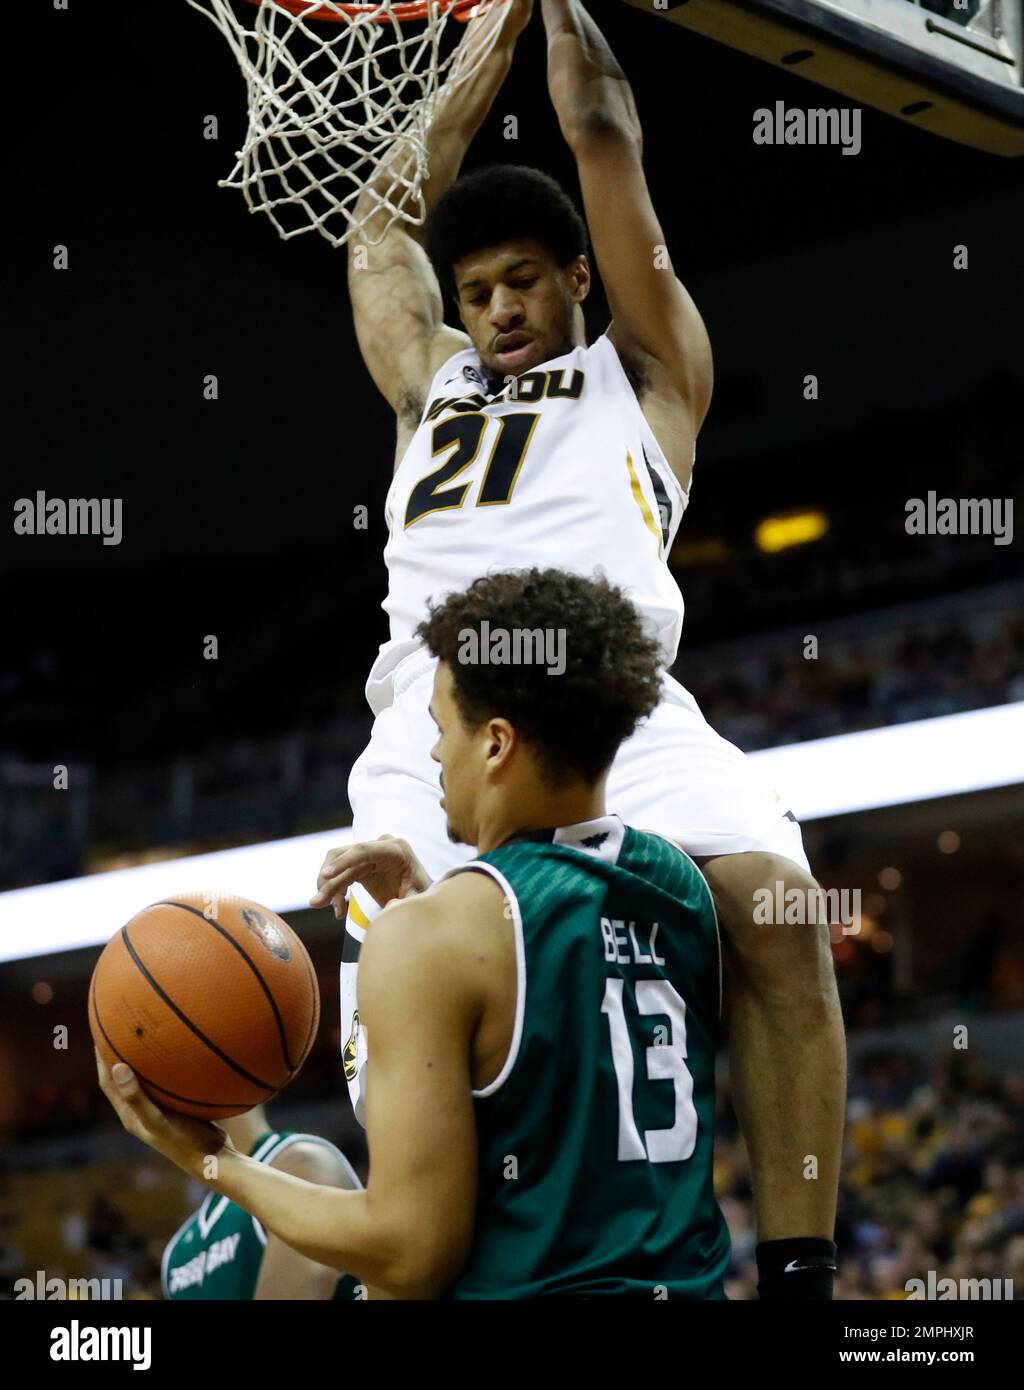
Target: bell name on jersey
x: 621, y: 947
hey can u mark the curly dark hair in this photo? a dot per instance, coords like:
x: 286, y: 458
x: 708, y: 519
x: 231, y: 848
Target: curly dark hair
x: 501, y: 203
x: 575, y: 720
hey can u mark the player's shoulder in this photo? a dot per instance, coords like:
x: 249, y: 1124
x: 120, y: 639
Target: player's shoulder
x: 427, y: 930
x: 307, y: 1156
x: 424, y: 958
x: 443, y: 904
x: 658, y: 847
x: 468, y: 899
x: 663, y: 860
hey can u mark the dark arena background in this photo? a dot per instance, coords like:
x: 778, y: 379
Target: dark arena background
x: 865, y: 313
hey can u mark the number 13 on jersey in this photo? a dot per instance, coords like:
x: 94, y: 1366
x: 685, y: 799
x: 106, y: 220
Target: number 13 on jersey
x: 664, y: 1062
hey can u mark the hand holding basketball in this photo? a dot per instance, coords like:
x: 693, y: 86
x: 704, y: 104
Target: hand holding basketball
x: 187, y: 1143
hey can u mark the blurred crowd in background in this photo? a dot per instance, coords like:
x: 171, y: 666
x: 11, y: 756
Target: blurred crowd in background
x: 933, y: 1179
x: 863, y: 685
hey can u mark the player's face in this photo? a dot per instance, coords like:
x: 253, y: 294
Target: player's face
x: 517, y: 304
x: 456, y: 751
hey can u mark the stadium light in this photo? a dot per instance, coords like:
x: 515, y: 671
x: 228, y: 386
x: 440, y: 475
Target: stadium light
x: 947, y: 756
x: 87, y: 911
x: 928, y: 758
x: 777, y: 533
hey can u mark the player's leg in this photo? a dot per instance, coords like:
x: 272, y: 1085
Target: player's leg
x: 678, y: 777
x: 394, y: 789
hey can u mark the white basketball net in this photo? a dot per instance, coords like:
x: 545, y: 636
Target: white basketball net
x: 328, y: 99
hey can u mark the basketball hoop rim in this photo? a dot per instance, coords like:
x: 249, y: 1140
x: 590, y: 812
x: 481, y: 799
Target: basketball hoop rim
x: 403, y: 12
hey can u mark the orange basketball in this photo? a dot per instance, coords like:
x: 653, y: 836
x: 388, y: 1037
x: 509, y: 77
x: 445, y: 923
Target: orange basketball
x: 211, y: 1000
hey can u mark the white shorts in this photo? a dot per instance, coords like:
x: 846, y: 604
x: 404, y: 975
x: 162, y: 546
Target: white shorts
x: 675, y: 776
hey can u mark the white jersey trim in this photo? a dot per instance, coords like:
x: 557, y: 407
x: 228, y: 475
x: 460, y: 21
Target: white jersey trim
x: 469, y: 353
x: 610, y: 830
x: 517, y: 925
x: 209, y: 1214
x: 357, y: 933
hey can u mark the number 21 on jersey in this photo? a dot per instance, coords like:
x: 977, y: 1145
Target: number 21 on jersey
x: 463, y: 434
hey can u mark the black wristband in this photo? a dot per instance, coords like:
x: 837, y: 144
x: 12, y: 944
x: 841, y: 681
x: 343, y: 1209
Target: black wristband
x: 802, y: 1267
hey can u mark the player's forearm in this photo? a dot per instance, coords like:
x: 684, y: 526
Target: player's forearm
x: 460, y: 114
x: 464, y: 108
x: 329, y: 1225
x: 787, y: 1066
x: 588, y: 88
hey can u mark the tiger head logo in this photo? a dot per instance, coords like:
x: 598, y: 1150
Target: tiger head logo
x: 350, y: 1052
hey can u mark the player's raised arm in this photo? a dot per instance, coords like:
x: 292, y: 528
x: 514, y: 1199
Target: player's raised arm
x: 652, y: 313
x: 396, y: 300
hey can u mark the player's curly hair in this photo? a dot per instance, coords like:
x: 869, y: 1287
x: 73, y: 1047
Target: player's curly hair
x: 501, y: 203
x: 574, y: 720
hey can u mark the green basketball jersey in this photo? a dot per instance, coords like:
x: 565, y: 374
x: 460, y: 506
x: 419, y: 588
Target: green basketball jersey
x: 595, y: 1140
x: 217, y: 1253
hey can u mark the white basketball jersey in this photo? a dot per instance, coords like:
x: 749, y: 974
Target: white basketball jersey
x: 566, y: 473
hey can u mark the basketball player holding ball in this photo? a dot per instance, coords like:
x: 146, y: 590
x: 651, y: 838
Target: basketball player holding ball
x: 520, y: 444
x: 543, y: 1021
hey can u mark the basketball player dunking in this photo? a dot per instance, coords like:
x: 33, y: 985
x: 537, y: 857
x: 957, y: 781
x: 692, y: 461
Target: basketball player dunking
x: 520, y: 444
